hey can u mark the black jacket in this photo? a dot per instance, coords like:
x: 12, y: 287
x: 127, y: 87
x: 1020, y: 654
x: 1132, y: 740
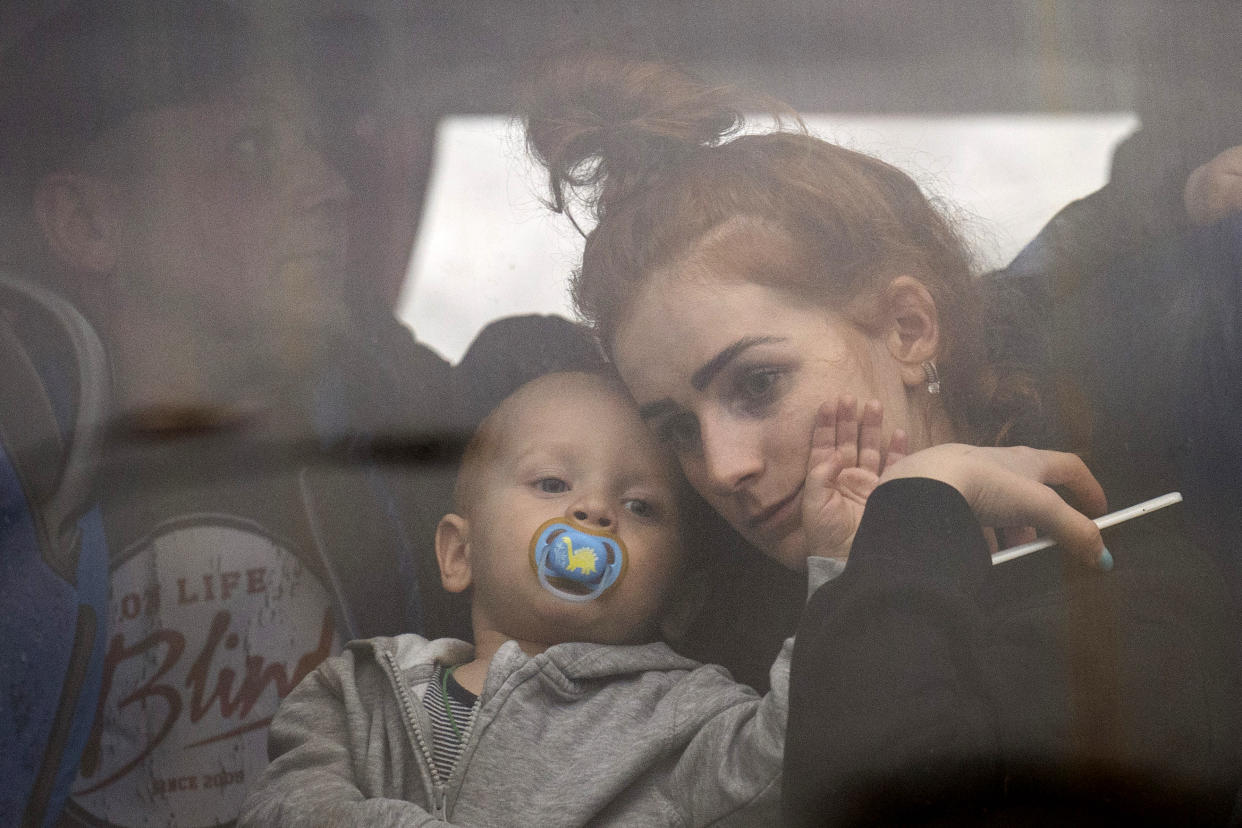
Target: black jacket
x: 929, y: 686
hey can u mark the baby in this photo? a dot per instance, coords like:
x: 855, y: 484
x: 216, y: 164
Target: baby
x: 566, y: 710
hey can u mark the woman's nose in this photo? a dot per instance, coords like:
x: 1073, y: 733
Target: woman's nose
x: 732, y: 456
x: 593, y: 510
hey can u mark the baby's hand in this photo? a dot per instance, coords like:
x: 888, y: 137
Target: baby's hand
x: 844, y: 467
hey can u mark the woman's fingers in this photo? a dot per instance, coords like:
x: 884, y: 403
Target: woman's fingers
x: 1069, y: 471
x: 1011, y: 487
x: 1013, y: 499
x: 1073, y: 529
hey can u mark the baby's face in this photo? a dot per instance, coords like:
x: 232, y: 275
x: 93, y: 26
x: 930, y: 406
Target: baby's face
x: 572, y: 448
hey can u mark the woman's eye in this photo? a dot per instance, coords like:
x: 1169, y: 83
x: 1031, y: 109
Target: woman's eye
x: 551, y: 485
x: 757, y: 383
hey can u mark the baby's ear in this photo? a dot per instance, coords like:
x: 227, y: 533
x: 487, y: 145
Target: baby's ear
x: 453, y: 552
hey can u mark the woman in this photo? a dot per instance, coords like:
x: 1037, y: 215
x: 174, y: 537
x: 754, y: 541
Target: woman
x: 793, y: 270
x: 750, y: 288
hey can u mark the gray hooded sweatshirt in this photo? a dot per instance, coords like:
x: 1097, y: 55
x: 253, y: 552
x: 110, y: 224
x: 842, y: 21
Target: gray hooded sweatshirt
x: 581, y: 734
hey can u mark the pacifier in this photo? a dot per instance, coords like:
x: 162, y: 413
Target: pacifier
x: 573, y: 563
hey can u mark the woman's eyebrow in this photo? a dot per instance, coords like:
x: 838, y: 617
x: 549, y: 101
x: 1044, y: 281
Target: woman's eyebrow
x: 702, y: 378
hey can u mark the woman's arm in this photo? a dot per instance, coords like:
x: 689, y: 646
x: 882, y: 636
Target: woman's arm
x: 1000, y: 484
x: 889, y: 707
x: 1012, y: 487
x: 928, y: 685
x: 884, y: 696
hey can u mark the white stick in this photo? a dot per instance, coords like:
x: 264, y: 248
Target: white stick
x: 1111, y: 519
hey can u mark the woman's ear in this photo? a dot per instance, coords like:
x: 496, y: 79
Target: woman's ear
x: 79, y: 216
x: 911, y: 327
x: 453, y: 552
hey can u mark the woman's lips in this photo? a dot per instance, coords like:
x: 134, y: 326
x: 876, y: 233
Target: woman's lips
x: 777, y: 513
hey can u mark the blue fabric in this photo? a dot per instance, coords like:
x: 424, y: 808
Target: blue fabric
x: 36, y: 633
x: 37, y: 639
x: 92, y: 592
x: 53, y: 629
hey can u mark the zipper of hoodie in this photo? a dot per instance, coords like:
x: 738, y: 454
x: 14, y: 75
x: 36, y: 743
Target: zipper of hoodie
x: 438, y: 796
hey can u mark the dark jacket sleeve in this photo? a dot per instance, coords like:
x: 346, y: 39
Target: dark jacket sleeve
x: 884, y: 685
x: 929, y: 686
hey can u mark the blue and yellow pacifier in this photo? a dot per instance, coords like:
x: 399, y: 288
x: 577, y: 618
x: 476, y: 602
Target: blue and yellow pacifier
x: 574, y: 563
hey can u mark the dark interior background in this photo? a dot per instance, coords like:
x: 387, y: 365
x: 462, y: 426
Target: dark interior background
x: 822, y: 55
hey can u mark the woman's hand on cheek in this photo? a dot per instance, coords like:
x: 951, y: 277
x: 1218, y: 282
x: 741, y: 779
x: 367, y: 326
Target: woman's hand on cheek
x: 1011, y: 487
x: 844, y: 466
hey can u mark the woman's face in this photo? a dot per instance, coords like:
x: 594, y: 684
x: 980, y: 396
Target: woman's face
x: 730, y: 374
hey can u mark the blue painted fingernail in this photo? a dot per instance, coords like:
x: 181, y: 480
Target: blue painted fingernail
x: 1105, y: 561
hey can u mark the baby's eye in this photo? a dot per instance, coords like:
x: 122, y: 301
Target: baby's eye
x: 641, y: 508
x: 551, y: 485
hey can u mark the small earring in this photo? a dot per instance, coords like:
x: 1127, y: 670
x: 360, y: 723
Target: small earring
x: 932, y: 376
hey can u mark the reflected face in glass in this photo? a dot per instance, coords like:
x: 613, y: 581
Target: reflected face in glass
x: 571, y: 446
x: 232, y: 214
x: 730, y: 375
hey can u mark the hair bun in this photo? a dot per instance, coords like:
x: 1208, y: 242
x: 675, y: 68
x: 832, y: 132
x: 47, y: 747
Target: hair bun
x: 601, y: 124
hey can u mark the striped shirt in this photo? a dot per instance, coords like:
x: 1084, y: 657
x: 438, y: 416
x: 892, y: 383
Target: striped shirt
x: 445, y: 744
